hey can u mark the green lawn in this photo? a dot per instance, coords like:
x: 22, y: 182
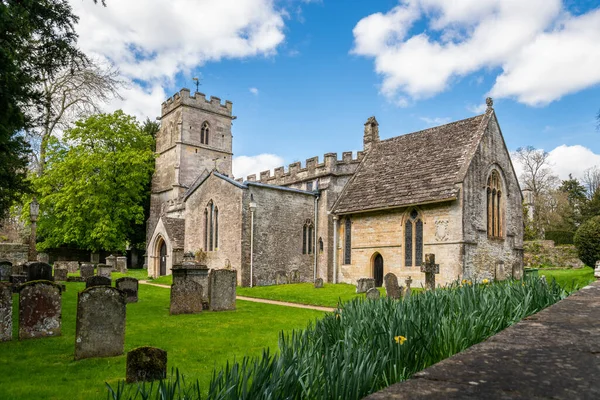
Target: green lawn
x: 570, y: 278
x: 163, y: 280
x: 305, y: 293
x: 44, y: 368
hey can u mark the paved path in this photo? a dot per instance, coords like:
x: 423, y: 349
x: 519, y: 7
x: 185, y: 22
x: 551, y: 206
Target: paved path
x: 255, y: 300
x: 554, y: 354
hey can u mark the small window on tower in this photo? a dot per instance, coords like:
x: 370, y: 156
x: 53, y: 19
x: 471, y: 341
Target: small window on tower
x: 204, y: 133
x: 309, y: 186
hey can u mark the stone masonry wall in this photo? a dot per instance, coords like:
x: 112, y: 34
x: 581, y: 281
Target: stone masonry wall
x: 16, y: 253
x: 482, y: 253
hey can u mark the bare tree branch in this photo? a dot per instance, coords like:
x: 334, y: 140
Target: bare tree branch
x: 591, y: 181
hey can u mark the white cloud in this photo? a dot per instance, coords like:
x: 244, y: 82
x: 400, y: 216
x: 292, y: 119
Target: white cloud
x: 152, y: 41
x: 477, y: 109
x: 543, y: 51
x: 254, y: 91
x: 247, y: 165
x: 435, y: 121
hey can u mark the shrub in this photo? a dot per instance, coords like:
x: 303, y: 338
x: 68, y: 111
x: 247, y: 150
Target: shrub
x: 560, y: 237
x: 587, y: 241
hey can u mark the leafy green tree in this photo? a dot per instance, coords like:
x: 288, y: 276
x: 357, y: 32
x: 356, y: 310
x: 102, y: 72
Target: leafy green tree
x: 95, y: 182
x: 570, y: 201
x: 587, y: 241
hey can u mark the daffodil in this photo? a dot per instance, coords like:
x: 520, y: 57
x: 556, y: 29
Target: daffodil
x: 485, y: 281
x: 400, y: 339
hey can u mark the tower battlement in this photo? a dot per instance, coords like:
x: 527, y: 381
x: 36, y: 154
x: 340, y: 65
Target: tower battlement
x: 331, y: 165
x: 198, y: 100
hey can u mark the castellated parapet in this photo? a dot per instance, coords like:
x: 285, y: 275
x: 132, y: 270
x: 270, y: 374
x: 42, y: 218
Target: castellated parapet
x: 331, y: 165
x: 198, y: 100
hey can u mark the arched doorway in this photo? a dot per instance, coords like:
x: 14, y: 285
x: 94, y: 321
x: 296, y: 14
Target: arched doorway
x: 378, y: 270
x: 162, y: 258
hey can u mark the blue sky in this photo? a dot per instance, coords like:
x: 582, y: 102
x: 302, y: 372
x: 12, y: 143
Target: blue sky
x: 305, y: 75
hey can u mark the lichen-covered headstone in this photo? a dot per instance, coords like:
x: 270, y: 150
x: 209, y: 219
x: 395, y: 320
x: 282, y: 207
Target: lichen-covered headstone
x: 364, y: 284
x: 97, y: 281
x: 39, y: 309
x: 294, y: 276
x: 121, y: 265
x: 72, y: 266
x: 499, y: 273
x: 112, y: 261
x: 392, y: 289
x: 60, y: 274
x: 5, y: 270
x: 146, y: 364
x: 87, y: 271
x: 6, y: 310
x: 100, y: 328
x: 95, y: 258
x: 319, y: 283
x: 104, y: 270
x: 281, y: 278
x: 186, y: 298
x: 17, y: 280
x: 129, y: 286
x: 373, y: 294
x: 221, y: 289
x: 43, y: 257
x: 38, y: 271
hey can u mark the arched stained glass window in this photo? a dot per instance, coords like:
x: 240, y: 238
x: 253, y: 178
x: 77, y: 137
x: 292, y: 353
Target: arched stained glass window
x: 348, y: 241
x: 495, y: 203
x: 413, y: 240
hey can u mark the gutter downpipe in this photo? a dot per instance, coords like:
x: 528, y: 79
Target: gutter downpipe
x: 335, y: 247
x: 252, y: 208
x: 315, y: 238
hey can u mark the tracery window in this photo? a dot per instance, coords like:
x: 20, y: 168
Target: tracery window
x: 204, y: 133
x: 413, y: 240
x: 495, y: 203
x: 348, y: 241
x: 307, y: 237
x: 211, y: 227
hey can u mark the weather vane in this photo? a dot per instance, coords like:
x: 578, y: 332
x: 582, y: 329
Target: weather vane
x: 197, y: 83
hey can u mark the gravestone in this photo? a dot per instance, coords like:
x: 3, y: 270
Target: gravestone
x: 39, y: 309
x: 75, y: 279
x: 281, y: 278
x: 408, y: 290
x: 517, y: 270
x: 95, y: 258
x: 72, y: 266
x: 373, y: 294
x: 129, y: 286
x: 17, y: 279
x: 87, y: 271
x: 319, y: 283
x: 121, y: 265
x: 146, y: 364
x: 97, y: 281
x: 5, y: 270
x: 430, y: 268
x: 499, y: 273
x: 112, y: 261
x: 60, y: 274
x: 364, y: 284
x: 294, y: 276
x: 19, y: 269
x: 391, y: 286
x: 100, y: 327
x: 6, y: 311
x: 38, y: 271
x: 186, y: 298
x: 221, y: 289
x: 597, y: 269
x: 104, y: 270
x: 43, y: 257
x: 192, y: 270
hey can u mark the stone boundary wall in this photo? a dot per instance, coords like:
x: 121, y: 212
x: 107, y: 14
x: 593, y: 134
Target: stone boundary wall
x: 549, y: 355
x: 16, y: 253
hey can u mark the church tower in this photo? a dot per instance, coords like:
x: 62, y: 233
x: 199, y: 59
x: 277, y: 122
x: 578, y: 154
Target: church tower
x: 195, y: 135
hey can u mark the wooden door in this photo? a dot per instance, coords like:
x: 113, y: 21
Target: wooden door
x: 163, y: 258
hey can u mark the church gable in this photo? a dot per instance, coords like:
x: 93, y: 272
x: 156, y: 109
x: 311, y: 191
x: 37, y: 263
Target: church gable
x: 416, y: 168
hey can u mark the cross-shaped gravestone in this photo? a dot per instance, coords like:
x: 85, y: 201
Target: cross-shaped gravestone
x: 430, y: 268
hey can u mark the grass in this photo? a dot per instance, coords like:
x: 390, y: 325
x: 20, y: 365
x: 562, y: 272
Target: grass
x: 196, y: 344
x: 570, y: 279
x: 163, y: 280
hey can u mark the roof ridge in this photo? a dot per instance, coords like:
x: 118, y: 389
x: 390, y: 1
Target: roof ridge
x: 432, y: 128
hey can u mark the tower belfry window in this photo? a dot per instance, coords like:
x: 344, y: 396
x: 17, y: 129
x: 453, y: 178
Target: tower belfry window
x: 204, y: 132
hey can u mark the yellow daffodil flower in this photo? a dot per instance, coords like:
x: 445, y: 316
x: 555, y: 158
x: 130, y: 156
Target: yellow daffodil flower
x: 400, y: 339
x: 485, y: 281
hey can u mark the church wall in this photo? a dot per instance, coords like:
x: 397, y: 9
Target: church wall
x: 383, y: 232
x: 482, y: 254
x: 278, y: 223
x: 228, y: 199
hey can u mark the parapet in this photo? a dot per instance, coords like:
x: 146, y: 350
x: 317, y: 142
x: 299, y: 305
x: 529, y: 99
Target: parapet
x: 198, y: 100
x: 312, y: 169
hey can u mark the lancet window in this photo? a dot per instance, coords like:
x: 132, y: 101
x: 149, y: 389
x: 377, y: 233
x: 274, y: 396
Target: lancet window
x: 495, y: 205
x: 413, y: 240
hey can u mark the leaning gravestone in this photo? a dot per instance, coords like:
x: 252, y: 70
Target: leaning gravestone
x: 281, y: 278
x: 60, y: 274
x: 86, y: 271
x: 319, y: 283
x: 104, y: 270
x: 6, y: 310
x: 97, y: 281
x: 294, y: 276
x: 373, y: 294
x: 364, y: 284
x: 5, y: 270
x: 100, y: 330
x: 129, y: 286
x: 221, y: 289
x: 121, y: 265
x: 186, y: 298
x: 146, y: 364
x: 38, y: 271
x: 391, y: 286
x: 39, y: 309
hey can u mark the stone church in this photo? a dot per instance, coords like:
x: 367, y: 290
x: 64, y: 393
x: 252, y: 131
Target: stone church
x: 450, y: 190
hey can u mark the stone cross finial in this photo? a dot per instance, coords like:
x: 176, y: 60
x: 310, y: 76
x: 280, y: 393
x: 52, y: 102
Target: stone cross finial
x: 408, y: 281
x: 430, y: 268
x: 489, y: 102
